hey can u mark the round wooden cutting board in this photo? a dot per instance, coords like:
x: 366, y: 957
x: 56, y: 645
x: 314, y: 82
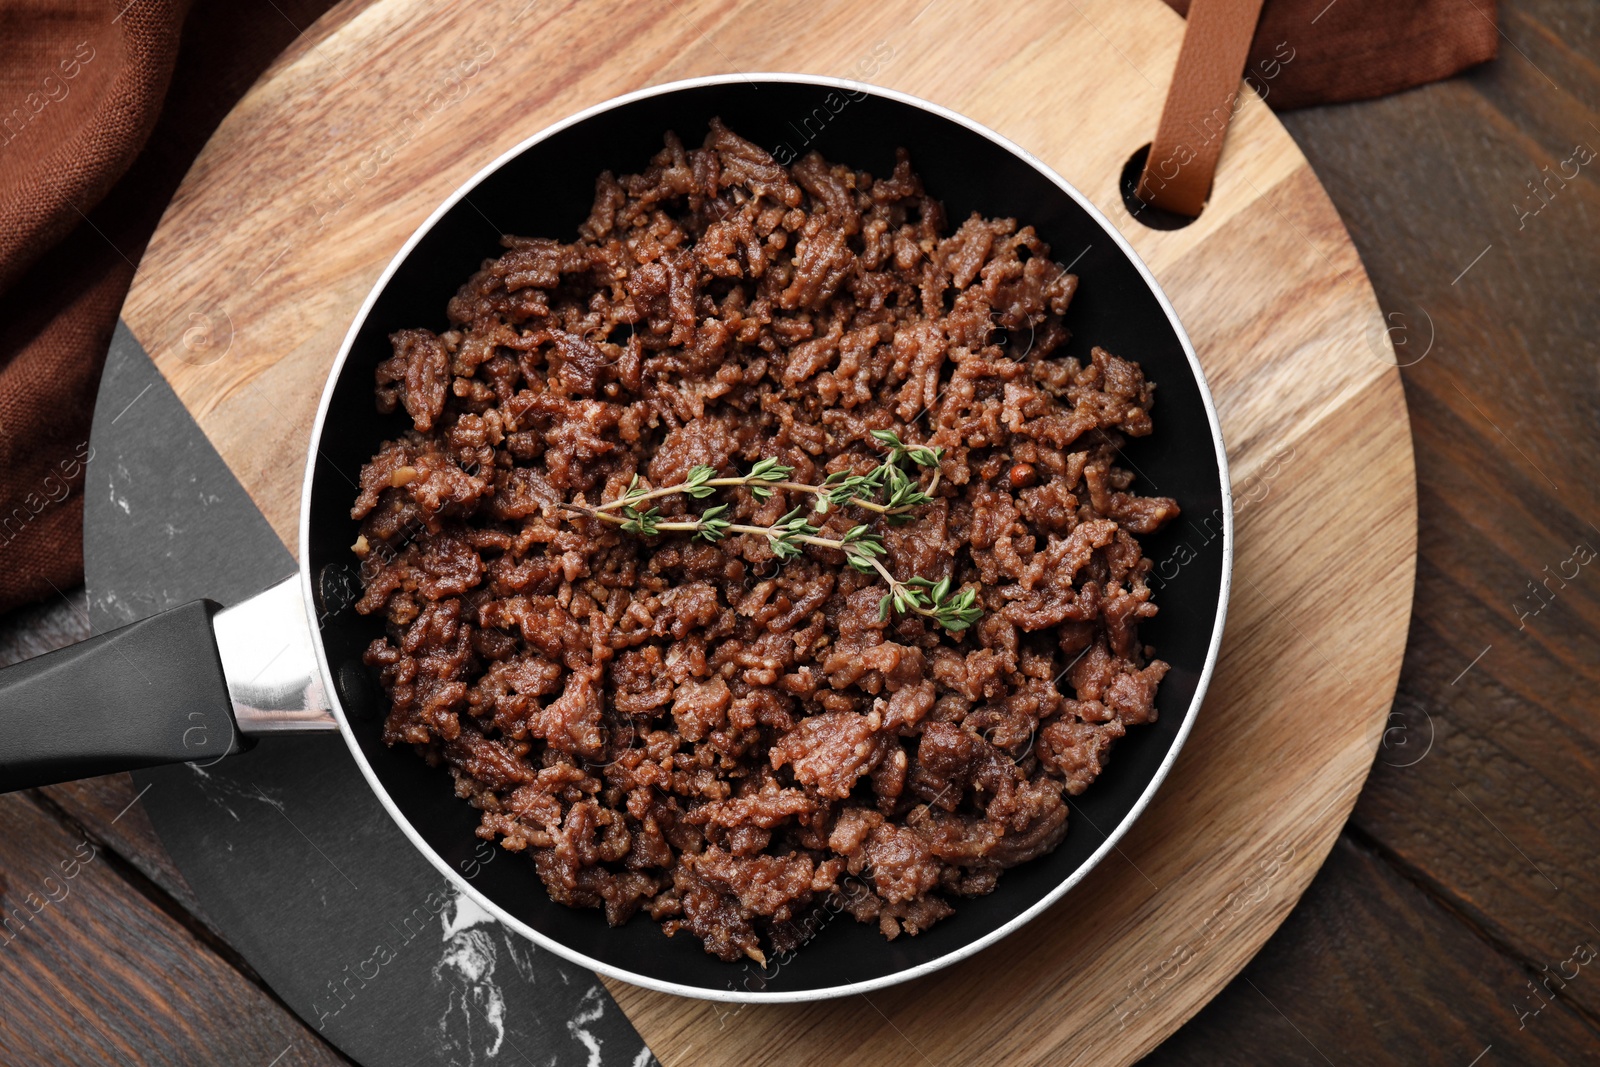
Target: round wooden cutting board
x: 380, y: 110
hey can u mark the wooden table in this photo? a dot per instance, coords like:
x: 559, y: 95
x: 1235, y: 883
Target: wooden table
x: 1469, y: 869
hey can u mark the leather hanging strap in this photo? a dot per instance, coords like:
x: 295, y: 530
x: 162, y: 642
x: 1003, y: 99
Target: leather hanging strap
x: 1201, y: 101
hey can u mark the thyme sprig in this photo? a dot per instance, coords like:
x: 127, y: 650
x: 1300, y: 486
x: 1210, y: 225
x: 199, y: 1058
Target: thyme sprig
x: 862, y: 547
x: 702, y: 481
x: 837, y: 490
x: 954, y: 611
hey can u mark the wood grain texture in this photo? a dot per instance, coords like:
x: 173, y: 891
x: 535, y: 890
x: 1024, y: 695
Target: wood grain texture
x: 105, y: 806
x: 95, y: 974
x: 1503, y: 814
x: 1487, y: 783
x: 280, y: 229
x: 108, y: 807
x: 1383, y: 973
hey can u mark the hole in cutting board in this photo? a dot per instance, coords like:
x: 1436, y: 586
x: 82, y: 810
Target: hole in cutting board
x: 1147, y: 214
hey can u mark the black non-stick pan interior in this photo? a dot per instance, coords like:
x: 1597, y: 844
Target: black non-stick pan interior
x: 546, y: 191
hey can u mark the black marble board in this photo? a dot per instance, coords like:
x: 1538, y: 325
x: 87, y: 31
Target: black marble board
x: 289, y: 853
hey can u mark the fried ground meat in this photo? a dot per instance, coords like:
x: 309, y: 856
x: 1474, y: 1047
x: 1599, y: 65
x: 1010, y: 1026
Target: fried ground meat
x: 696, y: 729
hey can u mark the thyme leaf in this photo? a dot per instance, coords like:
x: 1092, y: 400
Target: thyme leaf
x: 862, y: 547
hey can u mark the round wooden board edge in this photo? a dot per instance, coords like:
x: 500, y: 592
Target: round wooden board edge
x: 1389, y: 383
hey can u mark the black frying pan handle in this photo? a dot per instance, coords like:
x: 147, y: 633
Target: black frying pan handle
x: 149, y: 693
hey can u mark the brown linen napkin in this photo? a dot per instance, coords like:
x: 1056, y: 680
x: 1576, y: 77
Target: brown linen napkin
x: 1320, y: 52
x: 90, y: 155
x: 101, y: 112
x: 81, y: 84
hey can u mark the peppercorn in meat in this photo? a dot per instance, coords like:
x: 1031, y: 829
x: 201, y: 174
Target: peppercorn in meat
x: 719, y: 705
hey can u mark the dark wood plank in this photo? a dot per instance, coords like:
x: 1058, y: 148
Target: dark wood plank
x: 106, y: 807
x: 1508, y: 789
x: 109, y: 808
x: 1380, y: 972
x: 93, y: 973
x: 1485, y: 799
x: 1501, y: 815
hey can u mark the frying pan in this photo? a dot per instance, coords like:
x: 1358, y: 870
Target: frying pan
x: 198, y: 683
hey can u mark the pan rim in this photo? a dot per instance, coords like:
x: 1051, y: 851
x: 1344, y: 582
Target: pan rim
x: 971, y: 948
